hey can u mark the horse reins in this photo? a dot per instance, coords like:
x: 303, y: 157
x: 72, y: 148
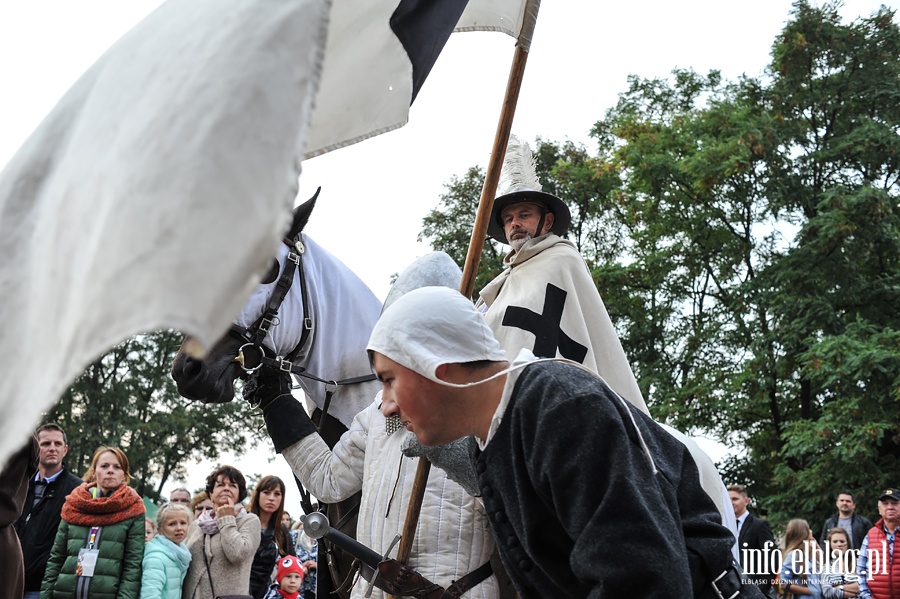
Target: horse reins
x: 253, y: 354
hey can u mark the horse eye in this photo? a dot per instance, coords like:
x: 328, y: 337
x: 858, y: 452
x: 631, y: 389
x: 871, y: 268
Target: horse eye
x: 272, y: 274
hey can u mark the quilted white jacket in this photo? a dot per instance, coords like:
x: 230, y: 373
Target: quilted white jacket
x: 453, y: 536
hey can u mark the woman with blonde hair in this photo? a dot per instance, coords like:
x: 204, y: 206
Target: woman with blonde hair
x: 801, y: 561
x: 100, y: 542
x: 201, y: 503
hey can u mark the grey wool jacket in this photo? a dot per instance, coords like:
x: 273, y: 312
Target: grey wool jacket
x: 229, y: 555
x: 575, y: 505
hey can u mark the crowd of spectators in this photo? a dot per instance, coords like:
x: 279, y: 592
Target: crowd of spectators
x: 91, y: 536
x: 850, y: 558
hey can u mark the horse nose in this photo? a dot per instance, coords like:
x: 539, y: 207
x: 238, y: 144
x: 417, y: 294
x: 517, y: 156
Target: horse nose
x: 192, y: 368
x: 189, y: 373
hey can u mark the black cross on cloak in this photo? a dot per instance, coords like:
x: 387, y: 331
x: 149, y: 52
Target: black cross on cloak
x: 549, y: 336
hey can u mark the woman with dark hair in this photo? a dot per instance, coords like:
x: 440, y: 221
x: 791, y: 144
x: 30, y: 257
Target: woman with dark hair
x: 222, y: 541
x: 839, y: 578
x: 267, y: 503
x: 100, y: 541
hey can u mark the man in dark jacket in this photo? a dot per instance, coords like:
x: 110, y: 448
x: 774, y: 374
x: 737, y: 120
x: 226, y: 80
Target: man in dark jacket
x: 856, y: 526
x: 13, y: 488
x: 586, y: 495
x: 756, y: 543
x: 47, y: 491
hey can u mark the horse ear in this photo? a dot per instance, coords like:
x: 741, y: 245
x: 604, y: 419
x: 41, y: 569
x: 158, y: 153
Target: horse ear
x: 301, y: 214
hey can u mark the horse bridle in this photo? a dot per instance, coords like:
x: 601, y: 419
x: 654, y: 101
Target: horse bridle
x: 253, y: 355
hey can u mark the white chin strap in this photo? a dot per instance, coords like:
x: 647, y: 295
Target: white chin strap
x: 520, y: 365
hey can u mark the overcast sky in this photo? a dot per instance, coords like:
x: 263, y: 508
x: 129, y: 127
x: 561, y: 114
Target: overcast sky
x: 375, y: 193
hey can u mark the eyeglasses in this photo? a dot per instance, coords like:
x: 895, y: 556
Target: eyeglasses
x: 203, y: 509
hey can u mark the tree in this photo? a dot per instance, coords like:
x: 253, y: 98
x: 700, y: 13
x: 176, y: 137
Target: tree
x: 764, y: 222
x: 127, y: 398
x: 744, y: 236
x: 448, y: 228
x: 836, y: 87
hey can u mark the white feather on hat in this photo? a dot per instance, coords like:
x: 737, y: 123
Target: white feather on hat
x: 518, y: 171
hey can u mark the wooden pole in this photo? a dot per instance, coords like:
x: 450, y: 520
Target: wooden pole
x: 473, y: 257
x: 492, y: 178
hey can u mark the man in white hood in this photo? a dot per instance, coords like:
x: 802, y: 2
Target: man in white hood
x: 585, y: 494
x: 453, y: 543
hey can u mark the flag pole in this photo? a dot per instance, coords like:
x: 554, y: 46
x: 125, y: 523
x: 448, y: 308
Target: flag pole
x: 479, y: 233
x: 492, y: 177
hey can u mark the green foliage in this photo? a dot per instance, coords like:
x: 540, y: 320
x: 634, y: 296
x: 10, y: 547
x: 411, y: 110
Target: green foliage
x: 745, y: 237
x: 127, y: 398
x: 448, y: 228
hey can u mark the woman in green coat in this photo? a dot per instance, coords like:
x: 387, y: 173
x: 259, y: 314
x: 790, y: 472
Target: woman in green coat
x: 100, y: 542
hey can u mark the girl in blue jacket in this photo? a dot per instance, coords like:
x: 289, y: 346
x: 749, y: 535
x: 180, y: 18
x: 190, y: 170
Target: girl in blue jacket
x: 166, y: 557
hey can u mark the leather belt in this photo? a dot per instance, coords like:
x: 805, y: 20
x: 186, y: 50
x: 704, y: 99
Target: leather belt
x: 399, y: 580
x: 475, y: 577
x: 728, y: 584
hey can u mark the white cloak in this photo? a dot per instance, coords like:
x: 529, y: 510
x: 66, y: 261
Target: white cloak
x: 547, y: 288
x: 549, y: 278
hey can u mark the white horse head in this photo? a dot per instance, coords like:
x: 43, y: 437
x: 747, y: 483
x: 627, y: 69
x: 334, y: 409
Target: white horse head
x: 327, y: 299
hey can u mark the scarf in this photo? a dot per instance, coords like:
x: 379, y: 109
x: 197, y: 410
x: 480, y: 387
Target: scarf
x: 209, y: 524
x: 177, y: 550
x: 82, y: 509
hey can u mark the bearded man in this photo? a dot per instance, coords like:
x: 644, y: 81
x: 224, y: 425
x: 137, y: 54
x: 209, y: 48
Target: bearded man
x: 545, y: 300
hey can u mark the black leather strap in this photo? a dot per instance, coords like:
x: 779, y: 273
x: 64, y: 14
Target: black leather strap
x: 728, y: 585
x: 470, y: 580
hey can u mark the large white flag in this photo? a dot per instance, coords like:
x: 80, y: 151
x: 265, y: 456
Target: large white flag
x: 372, y: 74
x: 156, y: 190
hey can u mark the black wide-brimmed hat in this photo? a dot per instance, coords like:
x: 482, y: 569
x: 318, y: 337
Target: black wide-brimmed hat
x: 519, y: 184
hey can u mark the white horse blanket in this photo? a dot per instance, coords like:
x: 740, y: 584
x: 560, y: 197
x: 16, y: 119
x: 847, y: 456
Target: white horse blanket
x: 342, y: 310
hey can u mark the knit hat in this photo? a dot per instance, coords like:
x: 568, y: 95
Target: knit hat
x: 431, y: 326
x: 288, y: 565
